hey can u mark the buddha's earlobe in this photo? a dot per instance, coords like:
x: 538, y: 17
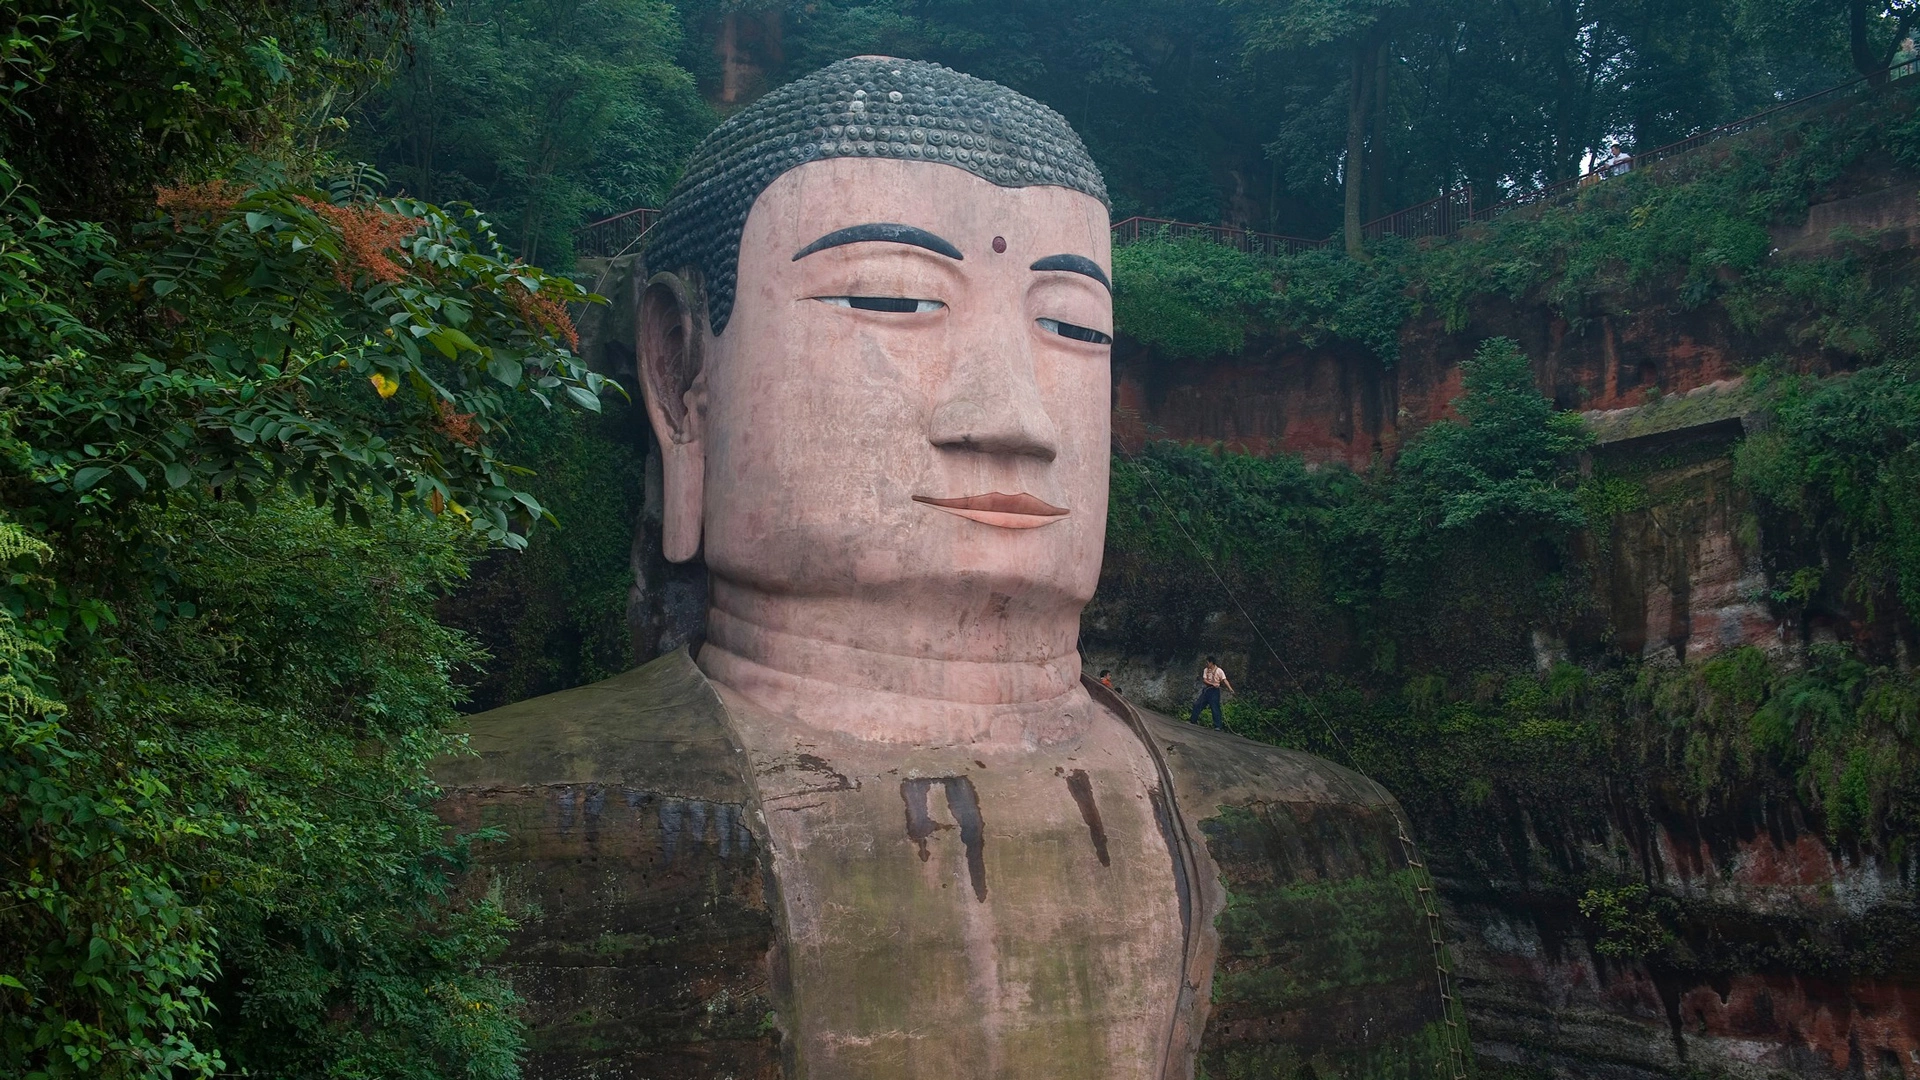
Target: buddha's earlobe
x: 673, y: 387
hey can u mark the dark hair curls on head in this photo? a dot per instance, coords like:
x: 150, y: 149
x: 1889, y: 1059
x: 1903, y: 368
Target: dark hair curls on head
x: 867, y: 106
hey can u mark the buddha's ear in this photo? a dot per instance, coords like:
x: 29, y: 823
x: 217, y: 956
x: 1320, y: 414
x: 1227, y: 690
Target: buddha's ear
x: 671, y: 320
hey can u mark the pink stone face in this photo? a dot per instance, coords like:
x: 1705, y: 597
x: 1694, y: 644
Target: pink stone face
x: 951, y: 451
x: 895, y: 461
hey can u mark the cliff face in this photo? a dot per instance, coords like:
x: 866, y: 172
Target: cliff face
x: 1340, y: 403
x: 1788, y: 949
x: 1828, y: 987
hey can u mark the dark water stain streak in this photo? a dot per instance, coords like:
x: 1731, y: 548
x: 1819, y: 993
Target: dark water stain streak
x: 964, y: 803
x: 1082, y: 788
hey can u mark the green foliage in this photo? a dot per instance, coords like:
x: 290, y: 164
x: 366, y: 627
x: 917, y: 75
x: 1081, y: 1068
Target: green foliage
x: 1204, y: 111
x: 105, y: 955
x: 1505, y: 463
x: 1193, y: 298
x: 1603, y: 498
x: 1846, y: 451
x: 1323, y: 296
x: 350, y: 348
x: 105, y: 100
x: 1630, y: 921
x: 543, y: 112
x: 246, y: 445
x: 1190, y: 298
x: 296, y: 714
x: 1326, y: 560
x: 1295, y: 24
x: 1696, y: 229
x: 554, y: 616
x: 229, y: 853
x: 1834, y: 729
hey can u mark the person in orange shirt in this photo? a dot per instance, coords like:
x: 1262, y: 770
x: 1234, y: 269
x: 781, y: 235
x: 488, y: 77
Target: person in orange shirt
x: 1212, y: 678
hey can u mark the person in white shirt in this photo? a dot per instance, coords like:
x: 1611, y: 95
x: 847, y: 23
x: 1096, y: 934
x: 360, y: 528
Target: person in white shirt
x: 1212, y: 678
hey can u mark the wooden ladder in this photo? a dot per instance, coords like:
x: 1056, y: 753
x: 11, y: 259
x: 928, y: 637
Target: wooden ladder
x: 1450, y: 1011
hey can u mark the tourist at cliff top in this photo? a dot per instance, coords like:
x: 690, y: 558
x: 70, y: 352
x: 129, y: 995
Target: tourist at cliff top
x: 1212, y: 678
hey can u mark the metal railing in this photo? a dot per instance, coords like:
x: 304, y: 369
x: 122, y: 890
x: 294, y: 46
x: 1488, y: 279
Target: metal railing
x: 1258, y: 243
x: 1442, y: 215
x: 614, y: 236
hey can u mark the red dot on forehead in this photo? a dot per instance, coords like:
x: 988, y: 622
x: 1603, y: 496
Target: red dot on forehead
x: 999, y: 245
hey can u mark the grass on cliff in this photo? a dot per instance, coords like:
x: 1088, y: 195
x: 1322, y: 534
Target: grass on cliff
x: 1692, y: 231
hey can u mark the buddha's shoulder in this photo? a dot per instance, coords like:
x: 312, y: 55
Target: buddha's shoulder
x: 1323, y: 949
x: 659, y: 727
x: 1212, y: 768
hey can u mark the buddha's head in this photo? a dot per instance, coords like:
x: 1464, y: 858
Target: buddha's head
x: 875, y: 347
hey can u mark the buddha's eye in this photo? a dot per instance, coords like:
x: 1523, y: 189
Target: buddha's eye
x: 1077, y: 333
x: 901, y: 304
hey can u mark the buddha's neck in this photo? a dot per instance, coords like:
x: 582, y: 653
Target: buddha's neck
x: 931, y: 674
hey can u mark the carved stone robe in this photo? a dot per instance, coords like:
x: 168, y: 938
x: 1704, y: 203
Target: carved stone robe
x: 704, y: 894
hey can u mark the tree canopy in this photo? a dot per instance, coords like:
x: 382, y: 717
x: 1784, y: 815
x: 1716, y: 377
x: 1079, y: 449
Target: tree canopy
x: 248, y: 438
x: 1247, y: 111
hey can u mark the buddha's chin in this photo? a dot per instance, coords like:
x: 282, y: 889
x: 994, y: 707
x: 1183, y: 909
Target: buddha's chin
x: 1044, y: 568
x: 1000, y: 591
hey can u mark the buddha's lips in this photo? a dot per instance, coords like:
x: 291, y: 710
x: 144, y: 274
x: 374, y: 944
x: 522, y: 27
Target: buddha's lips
x: 1021, y: 511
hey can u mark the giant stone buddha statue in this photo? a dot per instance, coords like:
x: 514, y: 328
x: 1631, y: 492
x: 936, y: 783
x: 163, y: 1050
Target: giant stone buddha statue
x: 879, y: 825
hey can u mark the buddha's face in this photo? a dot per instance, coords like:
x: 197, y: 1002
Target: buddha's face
x: 910, y: 400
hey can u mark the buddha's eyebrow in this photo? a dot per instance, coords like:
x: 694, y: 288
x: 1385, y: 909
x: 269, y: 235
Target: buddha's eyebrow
x: 885, y: 232
x: 1074, y: 264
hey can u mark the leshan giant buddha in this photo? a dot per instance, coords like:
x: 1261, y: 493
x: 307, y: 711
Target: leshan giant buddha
x: 880, y: 826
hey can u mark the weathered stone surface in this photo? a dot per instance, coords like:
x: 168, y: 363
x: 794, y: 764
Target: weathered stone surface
x: 646, y: 946
x: 1873, y: 209
x: 1324, y: 962
x: 1681, y: 576
x: 971, y: 910
x: 1801, y: 932
x: 654, y: 943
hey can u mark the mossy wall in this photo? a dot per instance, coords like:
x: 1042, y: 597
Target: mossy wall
x: 1324, y: 967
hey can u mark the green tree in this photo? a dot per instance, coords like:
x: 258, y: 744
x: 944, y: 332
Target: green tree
x: 1847, y: 453
x: 542, y: 112
x: 103, y: 100
x: 246, y: 441
x: 1866, y: 32
x: 1363, y: 31
x: 1471, y: 532
x: 1505, y: 462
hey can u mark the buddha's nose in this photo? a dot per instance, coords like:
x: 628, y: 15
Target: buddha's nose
x: 991, y: 403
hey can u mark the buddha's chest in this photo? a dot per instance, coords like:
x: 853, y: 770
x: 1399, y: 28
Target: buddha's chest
x: 974, y: 916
